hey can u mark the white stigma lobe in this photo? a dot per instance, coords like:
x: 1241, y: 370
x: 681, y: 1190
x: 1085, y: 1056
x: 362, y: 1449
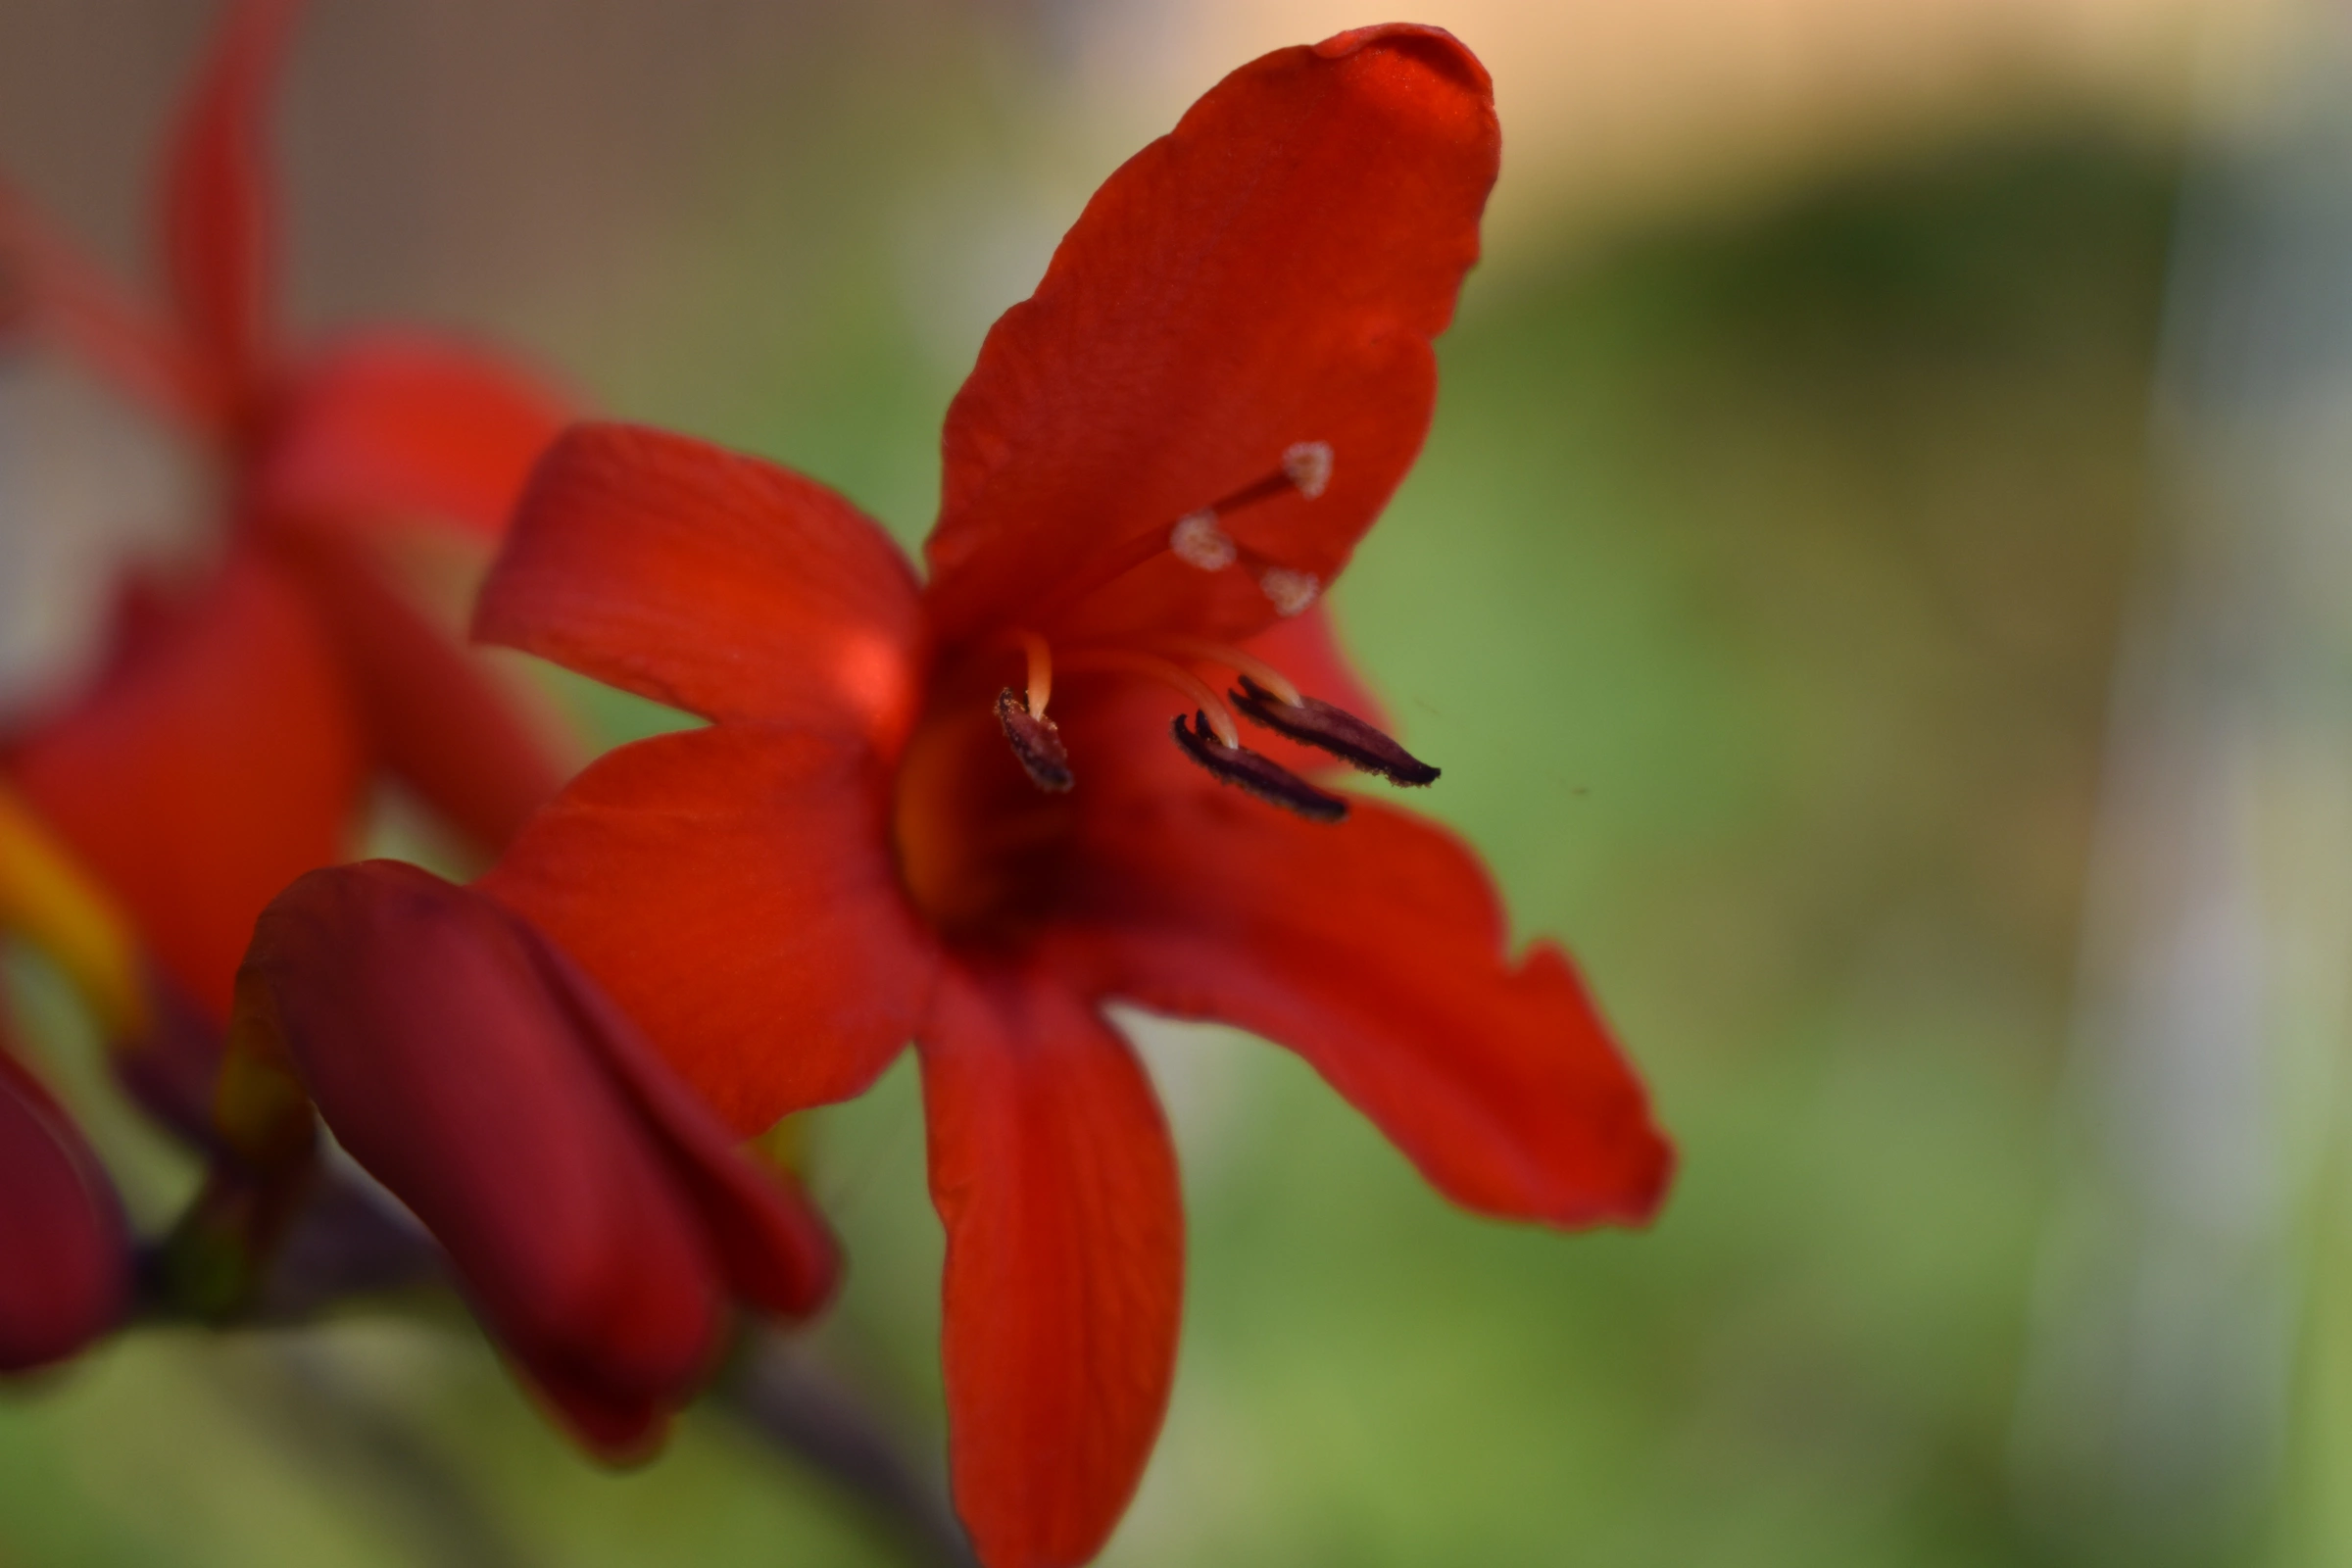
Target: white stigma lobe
x: 1291, y: 590
x: 1198, y: 541
x: 1308, y: 464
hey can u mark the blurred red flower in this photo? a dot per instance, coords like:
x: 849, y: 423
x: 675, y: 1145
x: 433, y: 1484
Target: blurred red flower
x: 65, y: 1254
x: 65, y: 1250
x: 599, y: 1216
x: 881, y: 838
x: 224, y: 745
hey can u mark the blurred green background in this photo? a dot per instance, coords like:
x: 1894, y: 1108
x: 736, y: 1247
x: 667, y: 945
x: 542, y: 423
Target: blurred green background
x: 1759, y: 591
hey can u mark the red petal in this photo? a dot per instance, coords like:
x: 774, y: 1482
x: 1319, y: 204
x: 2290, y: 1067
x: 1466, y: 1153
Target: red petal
x: 621, y: 1429
x: 1052, y: 1170
x: 418, y: 1019
x: 65, y: 1257
x: 399, y: 425
x: 733, y: 889
x: 47, y: 279
x: 1269, y: 273
x: 436, y: 714
x: 776, y: 1251
x: 1375, y: 950
x: 214, y: 764
x: 220, y: 215
x: 1306, y: 648
x: 715, y: 583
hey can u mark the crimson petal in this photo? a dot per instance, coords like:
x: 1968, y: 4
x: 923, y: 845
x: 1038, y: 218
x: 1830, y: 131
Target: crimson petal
x: 64, y: 1255
x: 1052, y: 1170
x: 715, y: 583
x: 47, y: 280
x: 420, y: 1018
x: 214, y: 764
x: 400, y: 425
x: 436, y: 714
x: 733, y: 889
x: 775, y: 1252
x: 1269, y: 273
x: 218, y: 219
x: 1376, y: 951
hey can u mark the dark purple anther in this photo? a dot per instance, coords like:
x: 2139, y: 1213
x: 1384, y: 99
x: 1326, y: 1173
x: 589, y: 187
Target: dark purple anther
x: 1332, y: 729
x: 1262, y: 777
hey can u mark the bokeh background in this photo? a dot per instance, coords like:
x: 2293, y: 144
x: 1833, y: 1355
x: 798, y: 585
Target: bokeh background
x: 1875, y: 585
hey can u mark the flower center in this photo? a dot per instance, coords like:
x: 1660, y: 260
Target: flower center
x: 1265, y: 696
x: 990, y: 801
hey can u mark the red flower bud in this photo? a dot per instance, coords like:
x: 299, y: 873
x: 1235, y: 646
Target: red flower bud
x: 65, y: 1257
x: 597, y: 1214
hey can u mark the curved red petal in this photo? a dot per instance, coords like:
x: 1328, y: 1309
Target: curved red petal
x: 1375, y: 950
x: 1269, y: 273
x: 436, y: 714
x: 1052, y: 1173
x: 45, y: 279
x: 400, y: 424
x: 218, y: 218
x: 64, y: 1255
x: 621, y: 1429
x: 217, y: 761
x: 733, y: 889
x: 716, y: 583
x: 776, y: 1251
x: 416, y: 1016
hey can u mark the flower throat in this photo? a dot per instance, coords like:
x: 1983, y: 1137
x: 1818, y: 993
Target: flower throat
x: 1265, y: 696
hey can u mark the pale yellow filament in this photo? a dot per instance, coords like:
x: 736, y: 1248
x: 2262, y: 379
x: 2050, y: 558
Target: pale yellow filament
x: 1233, y: 659
x: 1167, y: 673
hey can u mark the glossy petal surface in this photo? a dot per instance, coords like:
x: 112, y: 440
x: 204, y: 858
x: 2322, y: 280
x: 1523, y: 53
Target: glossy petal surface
x: 214, y: 764
x: 65, y: 1257
x: 716, y: 583
x: 218, y: 222
x: 1052, y: 1173
x: 416, y: 1016
x: 1376, y: 951
x: 436, y: 714
x: 403, y: 426
x: 1271, y: 272
x: 731, y: 889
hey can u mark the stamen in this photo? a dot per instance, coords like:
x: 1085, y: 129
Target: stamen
x: 1198, y: 541
x: 1262, y: 777
x: 1036, y: 742
x: 1215, y: 714
x: 1291, y: 590
x: 1317, y: 723
x: 1199, y: 538
x: 1305, y: 467
x: 1041, y: 671
x: 1308, y: 465
x: 1248, y: 665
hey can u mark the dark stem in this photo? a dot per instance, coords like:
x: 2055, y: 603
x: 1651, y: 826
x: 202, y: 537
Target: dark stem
x: 348, y: 1245
x: 786, y: 1396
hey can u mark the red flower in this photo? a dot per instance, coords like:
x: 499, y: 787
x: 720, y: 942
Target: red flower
x: 954, y: 812
x: 65, y: 1256
x: 599, y: 1215
x: 225, y: 747
x: 65, y: 1252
